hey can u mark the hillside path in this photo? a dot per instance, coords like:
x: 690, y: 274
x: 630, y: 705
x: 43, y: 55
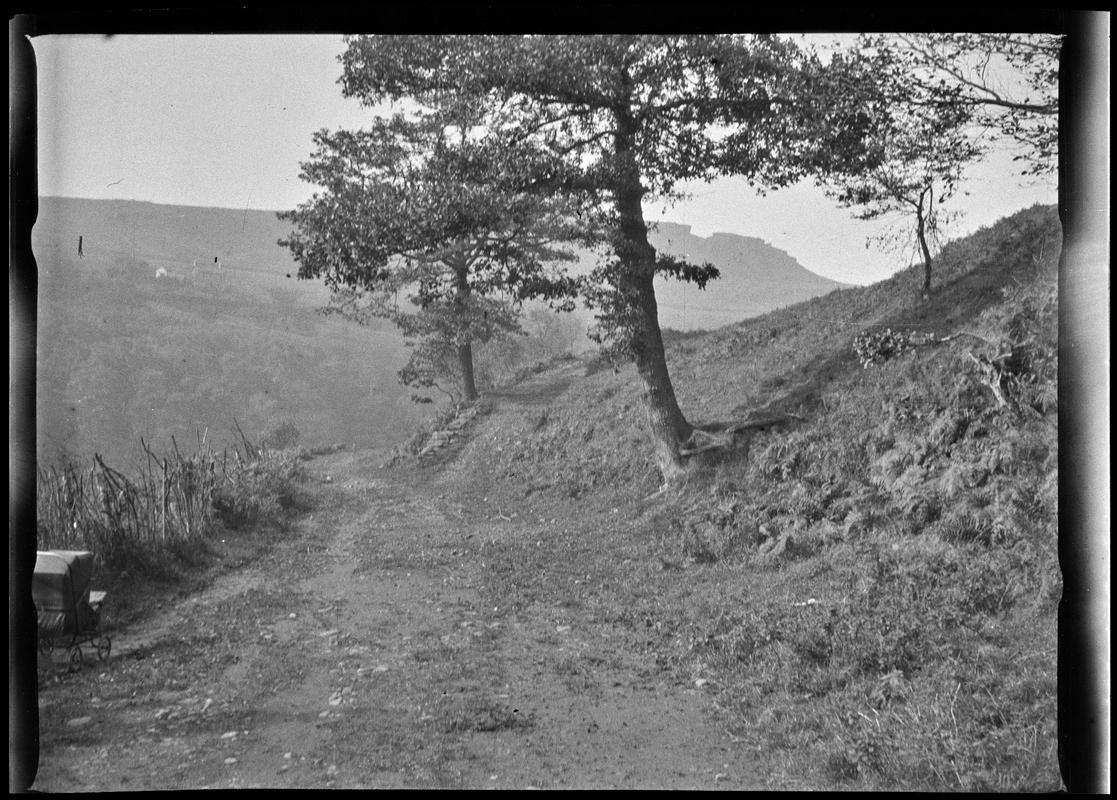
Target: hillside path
x: 372, y: 648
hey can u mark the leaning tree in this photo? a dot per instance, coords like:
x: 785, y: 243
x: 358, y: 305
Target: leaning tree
x: 440, y: 230
x: 634, y: 116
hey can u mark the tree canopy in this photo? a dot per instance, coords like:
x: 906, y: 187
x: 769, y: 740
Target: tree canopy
x: 463, y: 227
x: 629, y: 117
x: 1007, y: 83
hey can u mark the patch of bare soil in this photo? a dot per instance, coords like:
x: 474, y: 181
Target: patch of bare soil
x: 390, y: 643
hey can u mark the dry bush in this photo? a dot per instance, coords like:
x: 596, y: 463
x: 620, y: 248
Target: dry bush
x: 165, y: 511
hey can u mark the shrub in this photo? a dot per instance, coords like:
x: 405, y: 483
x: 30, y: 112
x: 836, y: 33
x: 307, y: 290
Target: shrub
x: 876, y: 347
x: 283, y: 437
x: 263, y: 490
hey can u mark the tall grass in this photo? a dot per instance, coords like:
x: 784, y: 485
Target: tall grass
x: 168, y: 507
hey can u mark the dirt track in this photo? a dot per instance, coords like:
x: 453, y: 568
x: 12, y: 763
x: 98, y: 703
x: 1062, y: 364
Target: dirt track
x: 368, y: 649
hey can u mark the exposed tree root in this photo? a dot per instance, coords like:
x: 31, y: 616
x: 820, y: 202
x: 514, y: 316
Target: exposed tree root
x: 724, y: 436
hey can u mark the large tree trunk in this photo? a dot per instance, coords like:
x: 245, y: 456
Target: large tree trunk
x: 668, y: 426
x: 465, y: 360
x: 465, y: 348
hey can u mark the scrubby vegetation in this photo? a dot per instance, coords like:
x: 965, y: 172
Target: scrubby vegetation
x: 160, y: 523
x: 872, y: 592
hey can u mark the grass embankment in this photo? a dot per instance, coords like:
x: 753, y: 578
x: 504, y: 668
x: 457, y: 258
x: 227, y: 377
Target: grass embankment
x: 871, y: 595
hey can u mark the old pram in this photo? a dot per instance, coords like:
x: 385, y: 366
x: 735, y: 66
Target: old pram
x: 69, y: 613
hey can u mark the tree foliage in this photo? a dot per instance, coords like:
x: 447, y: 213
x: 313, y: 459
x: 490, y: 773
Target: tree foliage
x: 913, y: 160
x: 427, y: 222
x: 1008, y: 82
x: 628, y: 118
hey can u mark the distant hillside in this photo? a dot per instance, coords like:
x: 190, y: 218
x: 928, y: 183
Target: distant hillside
x: 182, y: 321
x: 755, y: 278
x: 177, y: 238
x: 147, y: 345
x: 175, y: 319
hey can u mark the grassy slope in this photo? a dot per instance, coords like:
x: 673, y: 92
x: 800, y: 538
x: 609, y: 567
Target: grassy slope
x: 871, y: 594
x: 122, y: 355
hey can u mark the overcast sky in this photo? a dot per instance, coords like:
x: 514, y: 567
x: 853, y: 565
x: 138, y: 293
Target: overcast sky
x: 224, y: 120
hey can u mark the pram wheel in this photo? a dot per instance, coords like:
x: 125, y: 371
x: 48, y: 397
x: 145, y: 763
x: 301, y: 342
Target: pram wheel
x: 104, y: 648
x: 75, y: 659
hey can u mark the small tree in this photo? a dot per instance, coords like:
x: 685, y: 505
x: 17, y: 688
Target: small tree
x: 912, y: 164
x: 427, y: 223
